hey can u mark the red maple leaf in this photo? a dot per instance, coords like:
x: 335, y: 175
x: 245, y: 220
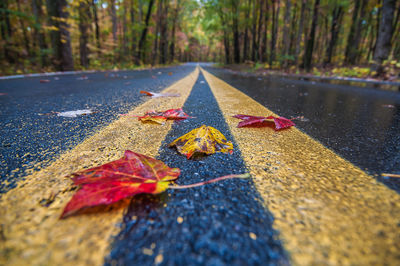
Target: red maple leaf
x: 133, y: 174
x: 277, y: 123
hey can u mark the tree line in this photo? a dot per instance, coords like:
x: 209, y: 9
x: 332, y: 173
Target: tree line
x: 45, y: 35
x: 303, y: 33
x: 79, y: 34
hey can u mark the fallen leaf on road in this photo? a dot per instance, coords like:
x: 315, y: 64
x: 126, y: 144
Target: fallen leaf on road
x: 161, y: 117
x: 204, y: 139
x: 44, y: 81
x: 133, y: 174
x: 277, y: 123
x: 75, y: 113
x: 169, y: 73
x: 84, y: 77
x: 155, y: 95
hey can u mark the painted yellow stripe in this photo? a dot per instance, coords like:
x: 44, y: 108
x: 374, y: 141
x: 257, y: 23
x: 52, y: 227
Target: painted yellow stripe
x: 32, y: 234
x: 328, y: 211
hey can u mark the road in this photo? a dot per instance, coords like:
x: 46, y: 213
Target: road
x: 316, y: 195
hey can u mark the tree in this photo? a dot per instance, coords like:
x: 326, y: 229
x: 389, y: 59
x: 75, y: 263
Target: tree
x: 6, y: 31
x: 164, y: 32
x: 60, y: 37
x: 337, y: 15
x: 355, y: 32
x: 84, y: 19
x: 96, y: 26
x: 385, y: 32
x: 307, y: 60
x: 286, y: 36
x: 38, y: 31
x: 142, y: 41
x: 235, y: 28
x: 300, y: 31
x: 174, y: 25
x: 274, y: 35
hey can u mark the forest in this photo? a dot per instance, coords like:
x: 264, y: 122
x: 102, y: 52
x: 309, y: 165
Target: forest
x: 292, y: 35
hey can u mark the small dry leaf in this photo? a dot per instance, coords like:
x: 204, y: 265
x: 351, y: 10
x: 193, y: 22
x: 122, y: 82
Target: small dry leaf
x: 161, y: 117
x: 156, y: 95
x: 204, y: 139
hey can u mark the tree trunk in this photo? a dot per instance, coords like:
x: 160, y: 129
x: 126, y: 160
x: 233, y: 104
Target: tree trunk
x: 293, y: 30
x: 383, y: 43
x: 174, y: 21
x: 133, y: 31
x: 253, y: 32
x: 124, y: 31
x: 38, y: 31
x: 275, y: 20
x: 337, y: 16
x: 265, y: 37
x: 84, y: 25
x: 225, y: 36
x: 164, y: 33
x: 155, y: 54
x: 310, y: 42
x: 113, y: 20
x: 24, y: 33
x: 286, y: 36
x: 246, y: 33
x: 142, y: 41
x: 235, y: 28
x: 353, y: 40
x: 300, y: 31
x: 260, y: 25
x: 96, y: 26
x: 6, y: 31
x: 60, y: 39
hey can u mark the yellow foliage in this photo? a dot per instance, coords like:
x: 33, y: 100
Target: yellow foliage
x: 204, y: 139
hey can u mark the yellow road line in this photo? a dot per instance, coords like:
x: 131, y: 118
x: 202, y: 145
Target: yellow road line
x: 328, y: 211
x: 32, y: 234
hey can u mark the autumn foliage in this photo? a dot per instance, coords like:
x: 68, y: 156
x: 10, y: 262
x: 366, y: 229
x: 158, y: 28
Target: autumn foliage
x: 205, y: 139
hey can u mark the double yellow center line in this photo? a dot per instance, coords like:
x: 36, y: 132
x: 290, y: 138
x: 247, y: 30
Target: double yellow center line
x: 326, y: 210
x: 32, y: 232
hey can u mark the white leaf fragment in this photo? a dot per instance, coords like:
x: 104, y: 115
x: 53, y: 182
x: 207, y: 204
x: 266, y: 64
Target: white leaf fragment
x: 75, y: 113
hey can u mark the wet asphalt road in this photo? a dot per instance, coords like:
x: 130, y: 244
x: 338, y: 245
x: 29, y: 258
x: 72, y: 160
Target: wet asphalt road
x: 361, y: 124
x: 29, y: 140
x: 217, y: 219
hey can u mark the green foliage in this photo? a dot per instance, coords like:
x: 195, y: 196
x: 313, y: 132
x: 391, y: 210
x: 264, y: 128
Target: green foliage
x: 357, y: 72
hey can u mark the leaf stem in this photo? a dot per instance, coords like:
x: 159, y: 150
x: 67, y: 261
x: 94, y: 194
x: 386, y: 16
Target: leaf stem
x: 390, y: 175
x: 246, y: 175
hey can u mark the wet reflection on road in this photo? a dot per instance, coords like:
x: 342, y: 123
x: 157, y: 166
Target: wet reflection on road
x: 361, y: 124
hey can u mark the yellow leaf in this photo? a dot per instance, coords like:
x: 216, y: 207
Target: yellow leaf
x: 204, y: 139
x: 156, y: 119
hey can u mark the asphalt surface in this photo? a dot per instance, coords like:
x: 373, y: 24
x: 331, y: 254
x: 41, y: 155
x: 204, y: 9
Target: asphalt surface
x: 218, y: 224
x: 218, y: 219
x: 361, y: 124
x: 29, y: 140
